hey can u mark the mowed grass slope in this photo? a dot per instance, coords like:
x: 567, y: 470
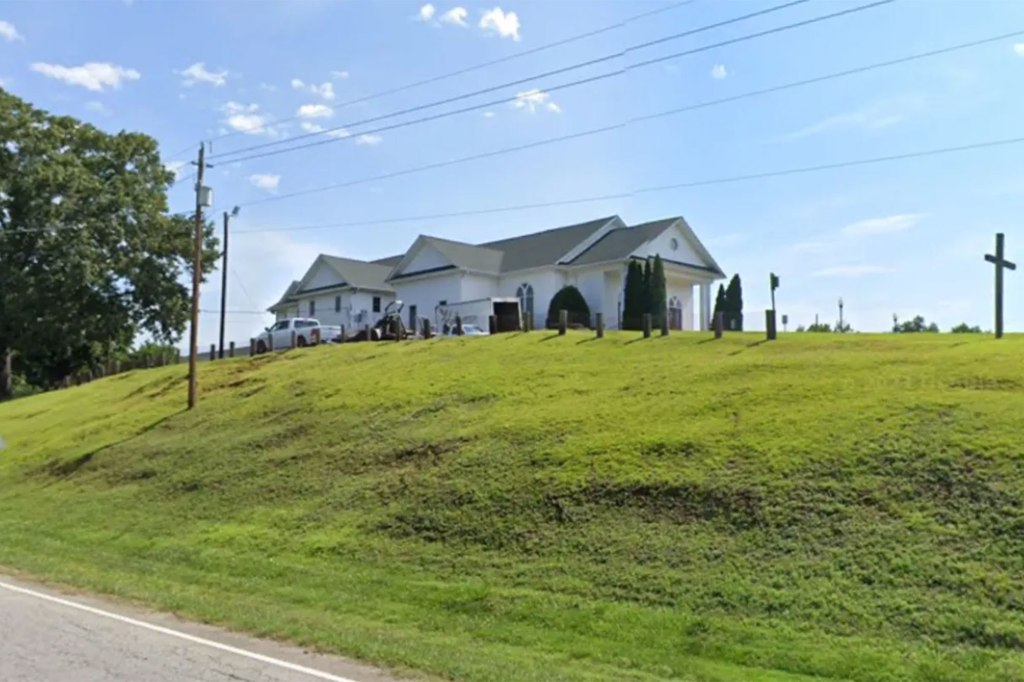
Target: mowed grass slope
x: 531, y: 507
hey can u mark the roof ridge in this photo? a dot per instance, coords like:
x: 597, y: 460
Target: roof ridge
x: 552, y: 229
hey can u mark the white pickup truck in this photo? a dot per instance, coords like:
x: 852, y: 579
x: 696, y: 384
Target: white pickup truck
x: 308, y: 332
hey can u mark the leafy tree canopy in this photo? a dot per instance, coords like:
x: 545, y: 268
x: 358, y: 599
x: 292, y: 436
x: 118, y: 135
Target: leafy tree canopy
x: 916, y: 325
x: 964, y: 328
x: 89, y: 256
x: 570, y: 299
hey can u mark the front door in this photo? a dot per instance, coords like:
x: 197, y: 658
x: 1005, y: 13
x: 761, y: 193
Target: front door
x: 675, y: 314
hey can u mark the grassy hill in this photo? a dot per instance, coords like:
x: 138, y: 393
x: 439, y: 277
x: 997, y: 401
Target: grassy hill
x: 540, y: 508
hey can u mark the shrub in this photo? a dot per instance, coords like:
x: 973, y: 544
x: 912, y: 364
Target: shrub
x: 569, y: 298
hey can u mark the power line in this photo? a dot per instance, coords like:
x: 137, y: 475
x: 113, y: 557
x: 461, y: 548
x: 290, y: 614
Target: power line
x: 552, y: 72
x: 661, y: 188
x: 475, y: 67
x: 241, y: 284
x: 640, y: 119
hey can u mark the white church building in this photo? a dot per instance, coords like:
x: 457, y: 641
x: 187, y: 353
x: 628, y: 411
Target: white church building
x: 438, y: 278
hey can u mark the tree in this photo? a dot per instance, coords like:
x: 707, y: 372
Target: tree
x: 658, y: 292
x: 916, y: 325
x: 87, y: 245
x: 633, y: 297
x: 734, y: 304
x: 648, y: 276
x: 721, y: 304
x: 964, y: 328
x: 570, y: 299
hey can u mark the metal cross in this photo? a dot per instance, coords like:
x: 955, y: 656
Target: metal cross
x: 999, y: 260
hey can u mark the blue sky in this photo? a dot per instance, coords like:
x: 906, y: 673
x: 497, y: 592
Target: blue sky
x: 906, y: 237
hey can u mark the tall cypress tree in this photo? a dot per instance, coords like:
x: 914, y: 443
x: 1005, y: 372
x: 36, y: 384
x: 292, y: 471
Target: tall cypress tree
x: 721, y: 305
x: 648, y: 276
x: 734, y: 304
x: 659, y: 293
x: 633, y: 297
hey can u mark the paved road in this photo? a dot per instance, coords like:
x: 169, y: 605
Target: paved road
x: 46, y: 636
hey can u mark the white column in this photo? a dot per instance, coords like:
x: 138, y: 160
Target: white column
x: 705, y: 306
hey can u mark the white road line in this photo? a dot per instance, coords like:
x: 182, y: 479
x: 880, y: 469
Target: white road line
x: 319, y: 674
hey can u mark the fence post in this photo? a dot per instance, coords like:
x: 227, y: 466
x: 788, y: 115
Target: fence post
x: 213, y: 351
x: 341, y: 337
x: 664, y: 324
x: 719, y: 324
x: 366, y: 329
x: 599, y: 323
x: 771, y: 331
x: 492, y: 324
x: 458, y: 325
x: 426, y: 328
x: 293, y: 339
x: 647, y: 325
x: 252, y: 347
x: 396, y: 328
x: 231, y: 349
x: 563, y: 322
x: 149, y: 362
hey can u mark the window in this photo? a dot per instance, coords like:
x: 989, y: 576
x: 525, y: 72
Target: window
x: 675, y: 313
x: 376, y: 304
x: 443, y: 303
x: 337, y: 304
x: 280, y: 326
x: 674, y: 244
x: 312, y: 308
x: 525, y: 295
x: 304, y: 324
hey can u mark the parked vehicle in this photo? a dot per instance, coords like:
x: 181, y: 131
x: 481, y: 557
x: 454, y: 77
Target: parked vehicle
x: 467, y: 330
x: 308, y: 332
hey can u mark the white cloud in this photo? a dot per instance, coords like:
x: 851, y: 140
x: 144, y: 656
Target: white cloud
x: 427, y: 12
x: 887, y: 225
x: 325, y: 90
x: 339, y: 75
x: 876, y: 117
x: 310, y: 127
x: 267, y: 182
x: 532, y: 100
x: 98, y: 107
x: 245, y: 118
x: 95, y: 76
x: 719, y: 72
x: 1019, y: 49
x: 369, y: 139
x: 197, y: 73
x: 505, y: 24
x: 457, y: 16
x: 9, y: 33
x: 268, y: 87
x: 488, y: 114
x: 315, y: 111
x: 851, y: 271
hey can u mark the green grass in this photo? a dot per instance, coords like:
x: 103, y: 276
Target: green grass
x: 539, y: 508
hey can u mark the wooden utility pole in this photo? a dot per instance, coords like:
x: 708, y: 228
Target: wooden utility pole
x: 999, y: 260
x: 197, y: 264
x: 223, y: 285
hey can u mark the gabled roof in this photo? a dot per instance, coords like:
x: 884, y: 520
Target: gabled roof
x: 467, y: 256
x: 288, y: 296
x: 544, y: 248
x: 359, y: 274
x: 619, y: 243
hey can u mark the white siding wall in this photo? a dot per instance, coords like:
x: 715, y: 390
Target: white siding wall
x: 478, y: 286
x: 428, y: 292
x: 662, y: 244
x: 614, y: 284
x: 545, y: 283
x: 592, y: 285
x: 362, y: 307
x: 324, y: 276
x: 427, y: 258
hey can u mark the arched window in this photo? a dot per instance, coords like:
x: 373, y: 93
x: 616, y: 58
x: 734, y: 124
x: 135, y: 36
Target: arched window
x: 525, y: 295
x: 675, y: 313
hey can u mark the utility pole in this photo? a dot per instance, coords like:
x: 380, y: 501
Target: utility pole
x: 224, y: 280
x: 197, y: 265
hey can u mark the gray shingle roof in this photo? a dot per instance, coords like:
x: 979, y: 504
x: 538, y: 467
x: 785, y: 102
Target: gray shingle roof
x: 543, y: 248
x: 288, y: 294
x: 619, y: 243
x: 467, y: 256
x: 360, y: 274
